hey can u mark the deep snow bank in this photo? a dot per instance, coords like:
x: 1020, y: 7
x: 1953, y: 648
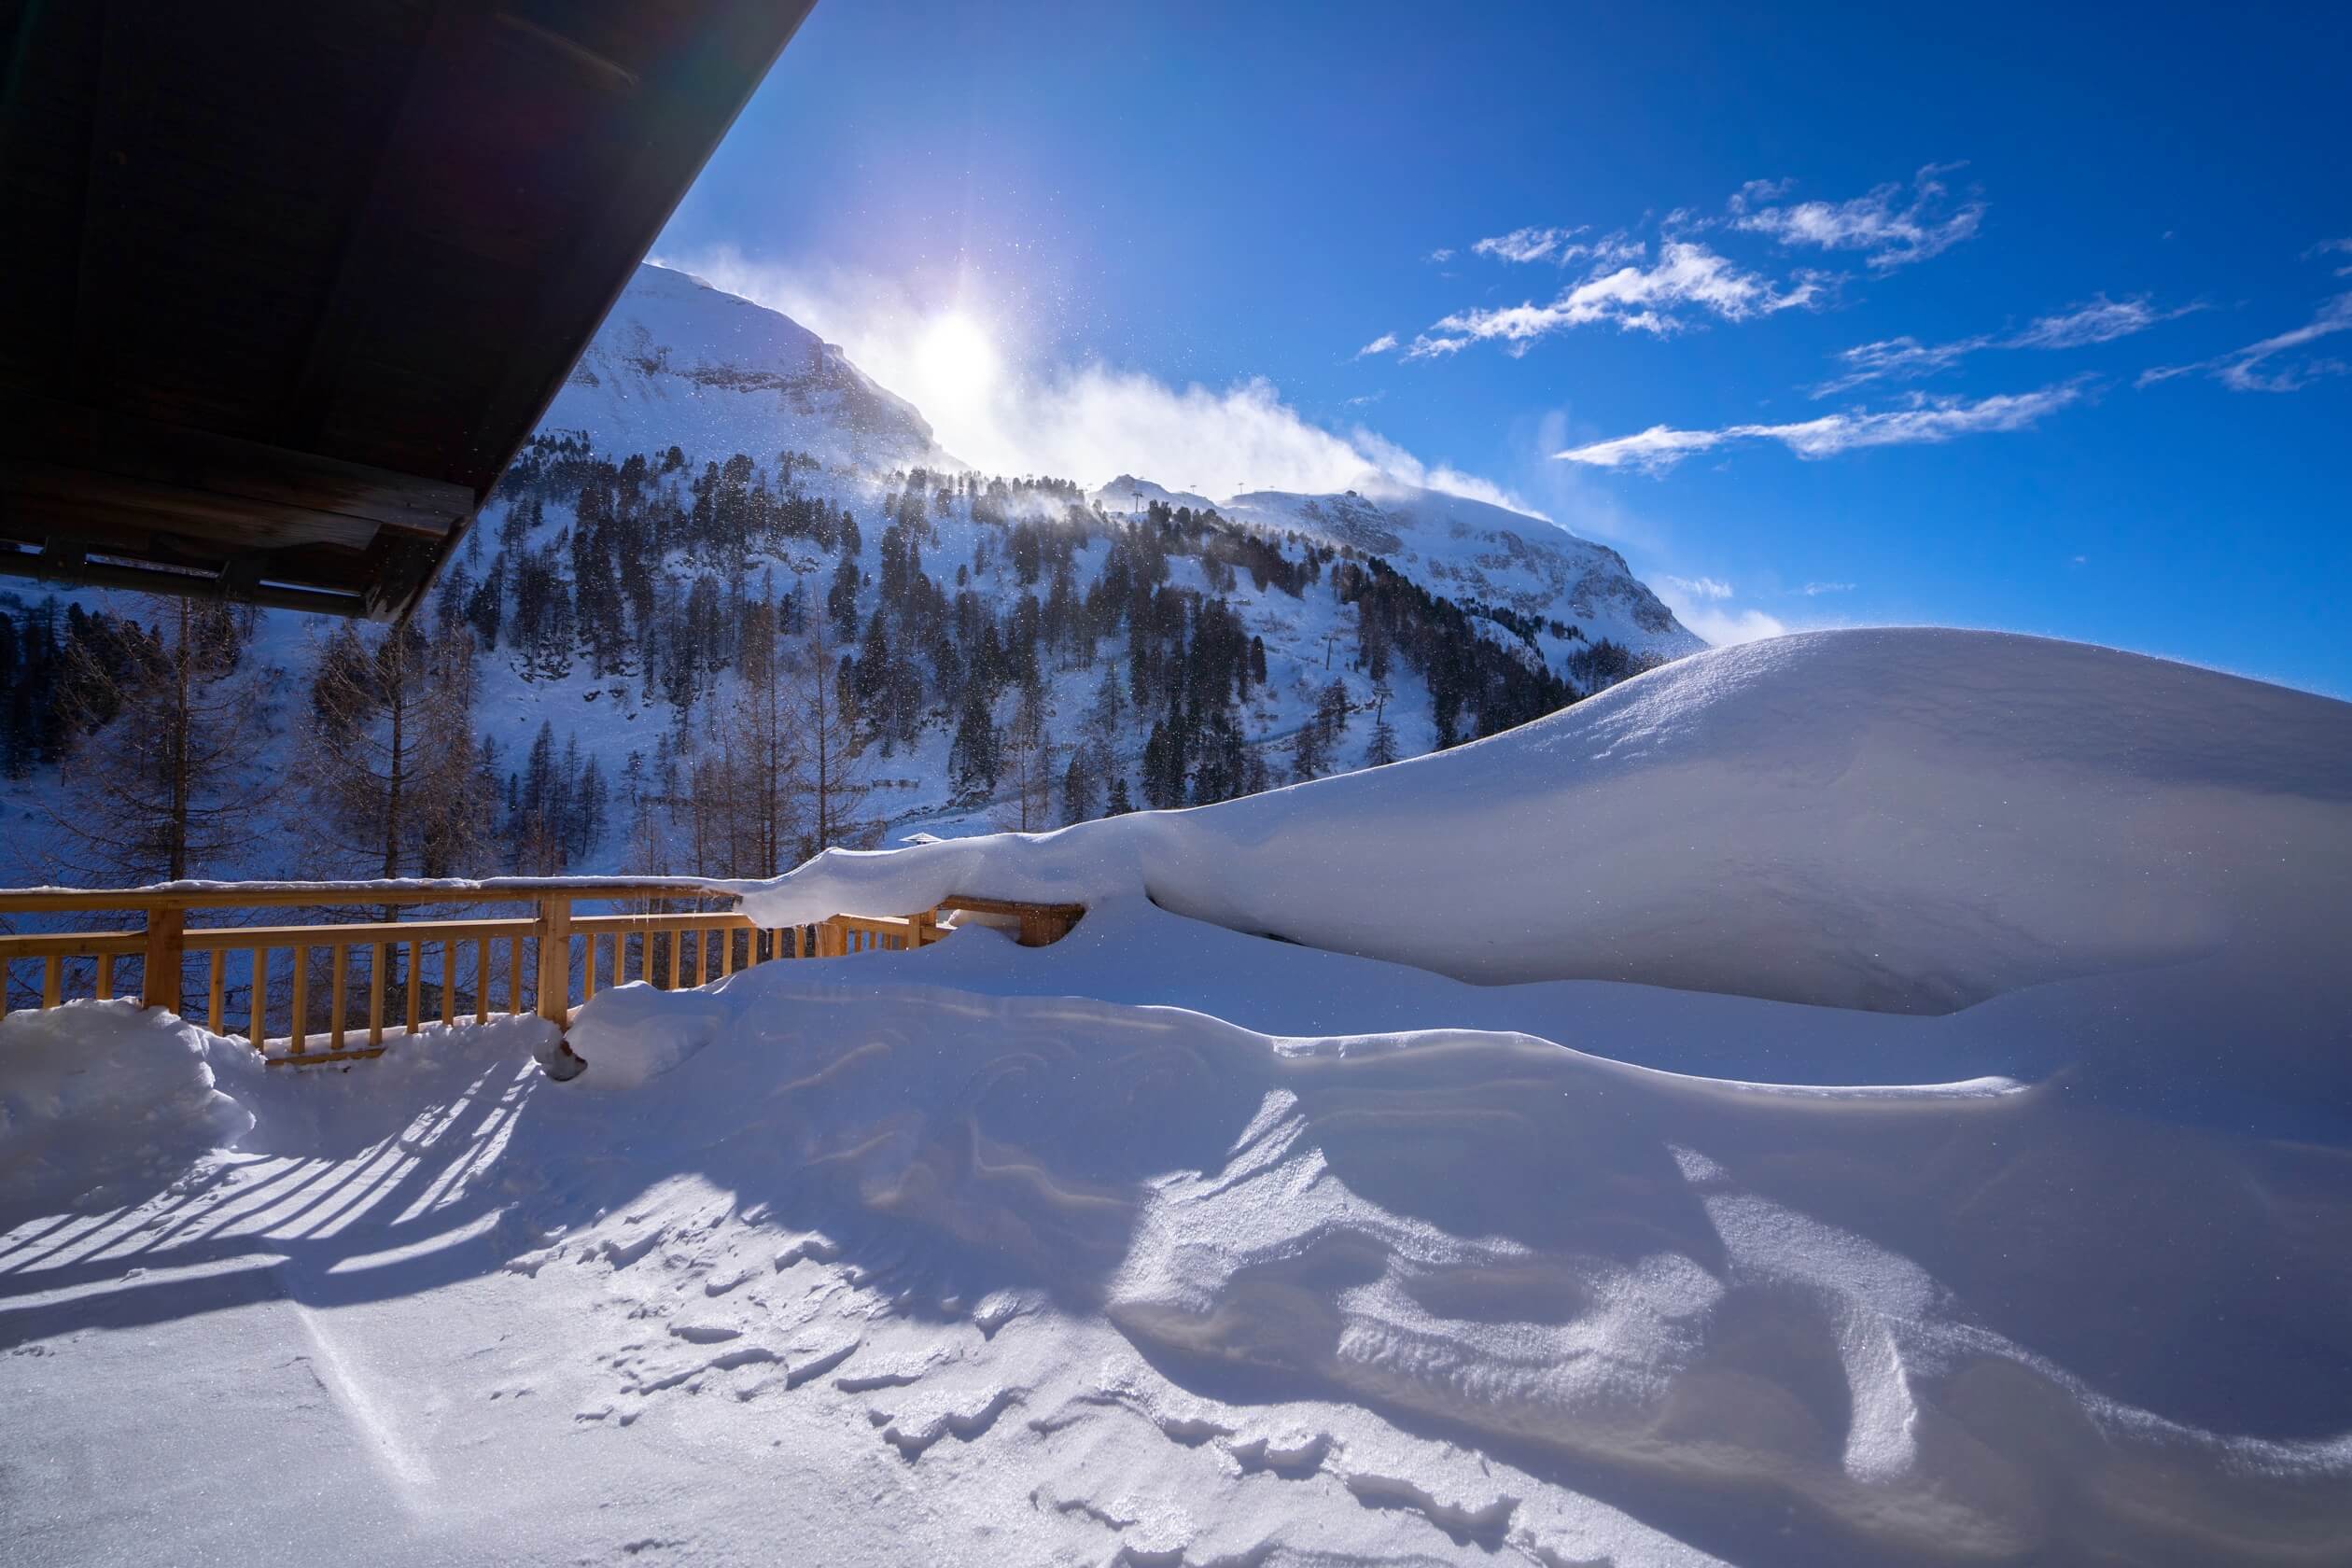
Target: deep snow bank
x: 1975, y: 1322
x: 94, y: 1093
x: 1906, y: 820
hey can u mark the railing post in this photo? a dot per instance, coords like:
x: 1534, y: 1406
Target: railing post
x: 554, y: 932
x: 554, y: 982
x: 166, y: 939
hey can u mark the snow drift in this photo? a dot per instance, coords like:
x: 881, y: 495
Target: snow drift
x: 96, y: 1093
x: 966, y: 1269
x: 1900, y: 821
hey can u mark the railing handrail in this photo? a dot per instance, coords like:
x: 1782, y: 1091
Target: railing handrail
x: 167, y: 942
x: 263, y: 895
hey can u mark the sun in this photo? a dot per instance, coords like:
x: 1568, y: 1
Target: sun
x: 956, y: 355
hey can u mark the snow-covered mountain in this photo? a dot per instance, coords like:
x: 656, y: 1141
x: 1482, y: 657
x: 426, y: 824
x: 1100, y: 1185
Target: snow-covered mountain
x: 679, y: 363
x: 682, y: 363
x: 710, y: 460
x: 1468, y: 549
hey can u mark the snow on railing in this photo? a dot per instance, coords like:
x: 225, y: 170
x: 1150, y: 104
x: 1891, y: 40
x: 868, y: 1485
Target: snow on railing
x: 336, y: 977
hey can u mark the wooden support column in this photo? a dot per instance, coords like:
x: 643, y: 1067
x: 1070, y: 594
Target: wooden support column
x: 553, y: 931
x: 166, y: 940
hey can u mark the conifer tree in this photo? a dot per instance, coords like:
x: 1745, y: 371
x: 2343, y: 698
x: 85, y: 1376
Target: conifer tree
x: 971, y: 755
x: 1078, y: 787
x: 157, y: 777
x: 834, y: 770
x: 1384, y: 749
x: 390, y: 787
x: 1027, y: 758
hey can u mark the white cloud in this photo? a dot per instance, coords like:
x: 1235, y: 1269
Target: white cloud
x: 1528, y: 245
x: 1083, y: 422
x: 1687, y: 278
x: 1814, y: 589
x: 2251, y: 369
x: 1560, y: 246
x: 1887, y: 229
x: 1758, y: 192
x: 1380, y: 344
x: 1725, y: 628
x: 1906, y: 358
x: 1925, y: 421
x: 1442, y: 254
x: 1613, y: 250
x: 1653, y: 450
x: 1698, y: 605
x: 1701, y: 587
x: 2100, y: 320
x: 2339, y: 247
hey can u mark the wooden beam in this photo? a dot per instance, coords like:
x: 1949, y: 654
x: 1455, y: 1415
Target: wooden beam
x: 553, y: 931
x: 279, y: 895
x: 1011, y: 906
x: 316, y: 1059
x: 78, y: 437
x: 160, y: 975
x: 78, y: 570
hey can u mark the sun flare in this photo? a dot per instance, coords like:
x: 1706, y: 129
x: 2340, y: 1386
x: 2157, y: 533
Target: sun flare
x: 958, y: 356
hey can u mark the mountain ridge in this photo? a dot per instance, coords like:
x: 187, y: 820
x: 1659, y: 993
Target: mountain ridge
x: 715, y: 480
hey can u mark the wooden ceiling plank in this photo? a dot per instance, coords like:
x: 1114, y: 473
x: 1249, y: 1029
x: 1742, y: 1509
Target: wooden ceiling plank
x: 603, y: 249
x: 364, y: 252
x: 235, y: 470
x: 93, y: 307
x: 609, y: 75
x: 33, y: 489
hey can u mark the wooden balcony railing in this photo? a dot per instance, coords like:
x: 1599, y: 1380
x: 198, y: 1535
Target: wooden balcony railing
x: 331, y: 979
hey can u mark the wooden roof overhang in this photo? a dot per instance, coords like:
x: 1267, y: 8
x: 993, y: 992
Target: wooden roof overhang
x: 285, y: 284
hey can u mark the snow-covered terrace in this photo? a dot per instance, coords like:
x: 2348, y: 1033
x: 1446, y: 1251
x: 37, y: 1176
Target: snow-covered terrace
x: 1870, y: 1097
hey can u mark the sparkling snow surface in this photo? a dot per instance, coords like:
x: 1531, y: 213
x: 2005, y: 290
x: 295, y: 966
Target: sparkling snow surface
x: 1174, y: 1244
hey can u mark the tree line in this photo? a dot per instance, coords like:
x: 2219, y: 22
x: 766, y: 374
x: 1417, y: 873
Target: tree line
x: 788, y: 662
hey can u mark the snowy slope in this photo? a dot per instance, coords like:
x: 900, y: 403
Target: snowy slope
x: 1902, y: 820
x: 1129, y: 497
x: 677, y: 324
x: 2030, y: 809
x: 1465, y: 550
x: 1470, y: 550
x: 680, y: 363
x: 1170, y: 1244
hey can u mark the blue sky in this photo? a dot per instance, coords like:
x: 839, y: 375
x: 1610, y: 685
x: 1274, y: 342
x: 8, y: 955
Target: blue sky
x: 2023, y: 317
